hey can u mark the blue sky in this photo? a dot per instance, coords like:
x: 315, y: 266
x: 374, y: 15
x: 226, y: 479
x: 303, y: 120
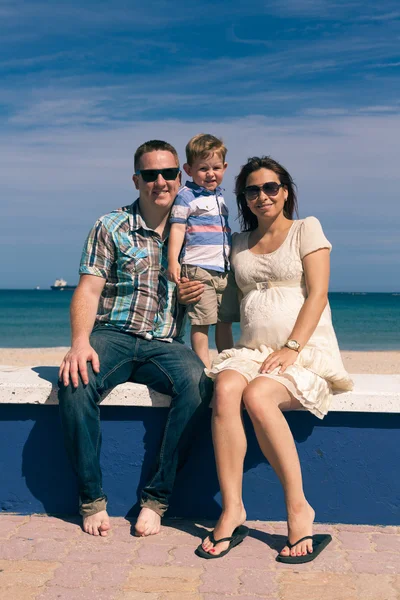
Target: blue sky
x: 313, y: 83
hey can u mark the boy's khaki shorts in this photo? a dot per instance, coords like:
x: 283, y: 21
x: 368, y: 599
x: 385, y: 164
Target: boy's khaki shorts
x: 219, y: 301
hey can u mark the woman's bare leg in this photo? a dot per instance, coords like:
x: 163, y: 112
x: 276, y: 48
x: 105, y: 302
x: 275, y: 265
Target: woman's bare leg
x: 230, y: 448
x: 265, y: 399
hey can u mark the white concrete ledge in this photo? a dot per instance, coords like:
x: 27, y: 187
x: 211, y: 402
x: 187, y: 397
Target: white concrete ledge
x: 38, y: 385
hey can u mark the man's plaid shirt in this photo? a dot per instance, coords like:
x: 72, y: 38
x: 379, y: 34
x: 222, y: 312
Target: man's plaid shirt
x: 137, y: 297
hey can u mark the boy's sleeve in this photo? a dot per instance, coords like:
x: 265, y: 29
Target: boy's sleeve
x: 181, y: 208
x: 98, y: 252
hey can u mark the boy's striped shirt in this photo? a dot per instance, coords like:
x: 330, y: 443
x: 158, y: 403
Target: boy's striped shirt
x: 208, y: 236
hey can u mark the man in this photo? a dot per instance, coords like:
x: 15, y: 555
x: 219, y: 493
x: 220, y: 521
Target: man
x: 126, y: 323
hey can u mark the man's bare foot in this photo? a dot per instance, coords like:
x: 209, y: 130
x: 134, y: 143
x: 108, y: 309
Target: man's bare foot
x: 226, y: 525
x: 148, y: 523
x: 97, y: 524
x: 300, y: 522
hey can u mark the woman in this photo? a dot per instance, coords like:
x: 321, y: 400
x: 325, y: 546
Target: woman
x: 287, y: 356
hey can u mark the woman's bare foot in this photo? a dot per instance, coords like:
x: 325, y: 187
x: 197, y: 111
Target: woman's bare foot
x: 226, y: 525
x: 300, y: 522
x: 97, y: 524
x: 148, y: 523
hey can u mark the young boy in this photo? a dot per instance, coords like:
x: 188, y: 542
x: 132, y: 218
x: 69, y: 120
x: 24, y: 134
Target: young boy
x: 199, y: 223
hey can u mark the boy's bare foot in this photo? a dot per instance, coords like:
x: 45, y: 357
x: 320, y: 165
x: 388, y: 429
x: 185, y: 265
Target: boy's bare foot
x: 148, y: 523
x: 97, y: 524
x: 300, y: 522
x: 226, y: 525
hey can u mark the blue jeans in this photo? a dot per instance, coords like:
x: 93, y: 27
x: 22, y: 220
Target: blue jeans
x: 169, y: 368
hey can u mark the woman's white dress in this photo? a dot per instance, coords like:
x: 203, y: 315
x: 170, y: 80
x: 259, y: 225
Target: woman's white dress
x: 273, y: 291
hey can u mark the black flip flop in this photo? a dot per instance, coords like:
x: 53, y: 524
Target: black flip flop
x: 320, y: 541
x: 236, y: 538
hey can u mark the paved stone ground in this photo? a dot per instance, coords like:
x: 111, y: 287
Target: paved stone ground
x: 49, y: 558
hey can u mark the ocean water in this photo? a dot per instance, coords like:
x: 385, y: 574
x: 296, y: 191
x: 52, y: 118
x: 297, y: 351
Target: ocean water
x: 40, y: 318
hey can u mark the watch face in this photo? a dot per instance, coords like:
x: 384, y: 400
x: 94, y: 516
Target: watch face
x: 293, y: 345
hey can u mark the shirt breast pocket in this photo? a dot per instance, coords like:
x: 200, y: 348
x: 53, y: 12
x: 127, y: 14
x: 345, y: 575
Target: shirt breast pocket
x: 132, y: 261
x: 201, y: 207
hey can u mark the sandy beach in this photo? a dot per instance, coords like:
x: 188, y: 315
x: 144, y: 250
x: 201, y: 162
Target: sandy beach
x: 355, y: 362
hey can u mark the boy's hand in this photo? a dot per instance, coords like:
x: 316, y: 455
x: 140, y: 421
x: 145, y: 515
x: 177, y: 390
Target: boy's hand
x: 189, y: 292
x: 174, y: 272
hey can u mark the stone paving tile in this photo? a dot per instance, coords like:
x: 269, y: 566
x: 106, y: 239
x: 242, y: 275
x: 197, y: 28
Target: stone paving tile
x: 313, y: 586
x: 110, y: 575
x: 87, y: 593
x: 178, y: 596
x: 374, y: 562
x: 72, y: 575
x: 163, y: 579
x: 376, y: 587
x: 262, y: 583
x: 19, y: 593
x: 15, y: 549
x: 364, y: 560
x: 96, y: 549
x: 386, y: 542
x: 9, y: 525
x: 241, y: 597
x: 49, y: 529
x: 103, y: 554
x: 334, y: 586
x: 49, y: 550
x: 12, y: 518
x: 123, y: 533
x: 226, y: 582
x: 395, y: 581
x: 367, y: 528
x: 359, y: 542
x: 25, y: 573
x: 132, y: 595
x: 184, y: 556
x: 152, y: 555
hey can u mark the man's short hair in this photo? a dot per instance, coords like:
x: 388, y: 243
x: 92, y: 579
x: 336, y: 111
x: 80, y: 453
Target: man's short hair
x: 202, y: 145
x: 151, y: 146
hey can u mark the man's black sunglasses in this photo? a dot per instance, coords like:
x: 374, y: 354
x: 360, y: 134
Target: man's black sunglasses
x: 152, y: 174
x: 271, y: 188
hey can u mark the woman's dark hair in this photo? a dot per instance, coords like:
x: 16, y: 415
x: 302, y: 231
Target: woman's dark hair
x: 248, y: 221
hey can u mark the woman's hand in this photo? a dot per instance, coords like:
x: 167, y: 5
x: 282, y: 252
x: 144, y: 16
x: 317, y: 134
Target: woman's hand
x: 282, y: 358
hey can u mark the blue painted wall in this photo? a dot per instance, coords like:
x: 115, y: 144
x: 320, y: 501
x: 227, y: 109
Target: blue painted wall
x: 350, y: 466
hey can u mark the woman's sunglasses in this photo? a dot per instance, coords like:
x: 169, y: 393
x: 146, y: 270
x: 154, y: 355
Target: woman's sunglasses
x: 152, y: 174
x: 271, y: 188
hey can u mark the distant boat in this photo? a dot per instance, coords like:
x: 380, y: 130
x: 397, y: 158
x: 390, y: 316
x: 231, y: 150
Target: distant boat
x: 37, y: 287
x: 61, y: 285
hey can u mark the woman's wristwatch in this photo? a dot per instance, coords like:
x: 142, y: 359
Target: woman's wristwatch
x: 293, y: 345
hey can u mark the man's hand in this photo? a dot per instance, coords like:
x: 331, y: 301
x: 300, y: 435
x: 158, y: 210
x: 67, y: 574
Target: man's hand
x: 75, y: 363
x: 189, y: 292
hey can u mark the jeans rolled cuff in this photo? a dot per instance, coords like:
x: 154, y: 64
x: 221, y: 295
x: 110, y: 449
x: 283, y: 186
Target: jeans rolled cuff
x: 154, y: 505
x: 87, y: 509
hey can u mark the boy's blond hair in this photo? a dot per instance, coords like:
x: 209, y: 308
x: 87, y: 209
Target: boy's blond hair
x: 202, y: 145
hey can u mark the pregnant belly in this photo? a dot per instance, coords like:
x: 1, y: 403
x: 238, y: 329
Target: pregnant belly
x: 268, y: 317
